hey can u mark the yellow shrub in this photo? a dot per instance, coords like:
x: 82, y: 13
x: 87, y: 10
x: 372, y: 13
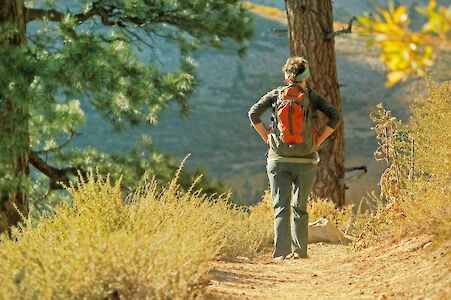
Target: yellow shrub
x: 153, y: 245
x: 426, y: 200
x: 420, y: 198
x: 323, y: 208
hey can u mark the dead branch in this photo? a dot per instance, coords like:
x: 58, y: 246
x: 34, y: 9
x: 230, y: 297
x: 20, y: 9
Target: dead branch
x: 333, y: 34
x: 58, y: 177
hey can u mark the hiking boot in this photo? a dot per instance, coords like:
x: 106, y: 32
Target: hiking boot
x: 278, y: 259
x: 290, y: 256
x: 295, y: 255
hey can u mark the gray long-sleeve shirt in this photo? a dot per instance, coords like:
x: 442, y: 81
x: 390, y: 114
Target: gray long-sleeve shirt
x: 317, y: 102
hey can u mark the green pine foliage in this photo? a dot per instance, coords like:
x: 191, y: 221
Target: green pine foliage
x: 90, y: 53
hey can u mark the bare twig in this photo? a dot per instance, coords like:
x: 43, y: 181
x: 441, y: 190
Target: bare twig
x: 333, y: 34
x: 128, y: 32
x: 412, y: 160
x: 363, y: 170
x: 279, y: 31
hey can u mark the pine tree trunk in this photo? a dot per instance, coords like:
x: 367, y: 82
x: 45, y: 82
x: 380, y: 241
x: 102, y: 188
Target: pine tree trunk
x: 14, y: 133
x: 308, y: 23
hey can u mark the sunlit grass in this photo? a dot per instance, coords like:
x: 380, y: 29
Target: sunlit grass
x: 415, y: 186
x: 159, y: 243
x: 156, y: 244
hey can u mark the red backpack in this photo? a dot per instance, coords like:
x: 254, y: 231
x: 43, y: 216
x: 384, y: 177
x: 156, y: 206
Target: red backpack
x: 294, y: 127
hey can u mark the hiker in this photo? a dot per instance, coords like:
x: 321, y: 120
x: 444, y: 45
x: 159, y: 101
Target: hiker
x: 292, y: 157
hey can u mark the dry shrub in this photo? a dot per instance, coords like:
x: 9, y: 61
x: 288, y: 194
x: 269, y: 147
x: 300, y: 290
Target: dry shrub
x: 371, y: 227
x: 263, y: 214
x: 426, y: 200
x: 322, y: 208
x: 415, y: 193
x: 156, y: 244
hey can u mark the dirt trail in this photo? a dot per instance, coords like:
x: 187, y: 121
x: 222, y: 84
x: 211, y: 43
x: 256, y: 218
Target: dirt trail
x: 408, y: 269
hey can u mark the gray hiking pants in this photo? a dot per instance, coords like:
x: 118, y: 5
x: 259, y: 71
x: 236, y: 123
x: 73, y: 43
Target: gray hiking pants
x: 291, y: 184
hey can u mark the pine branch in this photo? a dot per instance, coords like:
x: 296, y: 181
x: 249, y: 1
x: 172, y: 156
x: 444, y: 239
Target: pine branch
x: 59, y: 147
x: 57, y: 177
x: 333, y: 34
x: 56, y: 16
x: 111, y: 15
x: 32, y: 14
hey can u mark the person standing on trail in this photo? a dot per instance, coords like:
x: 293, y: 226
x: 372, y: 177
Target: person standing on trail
x: 292, y: 157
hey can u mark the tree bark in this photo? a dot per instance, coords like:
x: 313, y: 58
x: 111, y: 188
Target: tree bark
x: 14, y: 133
x: 309, y: 21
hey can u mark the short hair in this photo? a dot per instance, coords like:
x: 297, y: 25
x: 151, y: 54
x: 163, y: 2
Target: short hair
x: 294, y: 65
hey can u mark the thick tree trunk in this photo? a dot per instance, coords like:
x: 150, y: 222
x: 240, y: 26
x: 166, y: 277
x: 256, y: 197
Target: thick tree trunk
x: 308, y: 23
x: 14, y: 134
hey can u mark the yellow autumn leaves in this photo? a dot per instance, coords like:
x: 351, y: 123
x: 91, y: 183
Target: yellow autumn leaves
x: 439, y: 19
x: 403, y: 51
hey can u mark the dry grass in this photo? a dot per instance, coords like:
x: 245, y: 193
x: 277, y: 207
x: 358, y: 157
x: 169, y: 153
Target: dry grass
x: 415, y: 187
x: 426, y: 198
x: 159, y: 244
x: 267, y: 11
x: 317, y: 208
x: 154, y: 245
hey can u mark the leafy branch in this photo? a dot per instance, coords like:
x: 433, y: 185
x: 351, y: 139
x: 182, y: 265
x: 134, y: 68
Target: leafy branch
x: 403, y: 51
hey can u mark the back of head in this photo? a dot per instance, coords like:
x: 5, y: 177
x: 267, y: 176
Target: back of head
x: 296, y: 69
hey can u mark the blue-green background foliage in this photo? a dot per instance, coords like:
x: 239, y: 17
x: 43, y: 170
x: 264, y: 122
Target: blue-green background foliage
x: 116, y: 72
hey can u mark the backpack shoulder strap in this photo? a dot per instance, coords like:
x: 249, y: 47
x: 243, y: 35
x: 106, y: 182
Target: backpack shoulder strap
x: 279, y: 95
x: 309, y: 93
x: 299, y: 90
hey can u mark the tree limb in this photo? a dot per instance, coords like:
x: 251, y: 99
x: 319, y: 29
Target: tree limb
x: 111, y: 15
x: 57, y: 177
x: 333, y: 34
x: 39, y: 14
x: 363, y: 168
x: 56, y: 16
x: 279, y: 31
x: 59, y: 147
